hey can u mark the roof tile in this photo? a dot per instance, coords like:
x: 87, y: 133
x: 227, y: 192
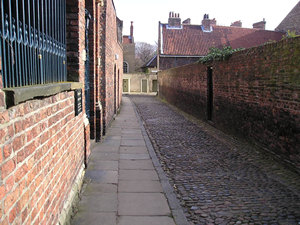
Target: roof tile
x: 191, y: 40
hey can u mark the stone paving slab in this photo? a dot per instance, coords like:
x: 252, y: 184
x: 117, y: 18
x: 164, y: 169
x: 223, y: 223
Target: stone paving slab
x: 96, y: 188
x: 129, y: 142
x: 143, y: 204
x: 104, y: 202
x: 140, y: 186
x: 138, y: 175
x: 136, y: 165
x: 105, y: 156
x: 103, y: 165
x: 134, y: 156
x: 90, y: 218
x: 102, y: 176
x: 145, y: 220
x: 106, y: 148
x: 133, y: 150
x: 131, y: 131
x: 132, y: 137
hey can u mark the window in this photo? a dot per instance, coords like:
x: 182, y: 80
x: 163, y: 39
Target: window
x: 32, y: 42
x: 125, y: 67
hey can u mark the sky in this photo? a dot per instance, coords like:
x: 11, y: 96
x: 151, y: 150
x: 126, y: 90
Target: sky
x: 146, y: 14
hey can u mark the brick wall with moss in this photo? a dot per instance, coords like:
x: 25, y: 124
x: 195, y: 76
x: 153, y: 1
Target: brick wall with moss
x: 256, y: 94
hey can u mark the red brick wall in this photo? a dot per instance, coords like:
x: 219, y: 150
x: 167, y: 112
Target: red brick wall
x: 255, y: 94
x: 111, y: 48
x: 42, y: 149
x: 43, y: 144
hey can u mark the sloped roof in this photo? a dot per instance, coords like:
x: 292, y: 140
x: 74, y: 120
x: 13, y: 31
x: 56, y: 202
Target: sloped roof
x: 192, y: 40
x: 151, y: 63
x: 291, y: 21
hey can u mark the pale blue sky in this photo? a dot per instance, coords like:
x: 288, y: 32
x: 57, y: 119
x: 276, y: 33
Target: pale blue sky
x: 146, y: 14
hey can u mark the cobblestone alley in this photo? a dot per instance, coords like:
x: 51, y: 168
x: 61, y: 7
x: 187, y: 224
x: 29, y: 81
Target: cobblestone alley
x: 218, y: 179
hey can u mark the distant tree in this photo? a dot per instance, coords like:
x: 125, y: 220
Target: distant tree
x: 143, y: 53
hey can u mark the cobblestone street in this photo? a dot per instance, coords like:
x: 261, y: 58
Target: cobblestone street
x: 218, y: 179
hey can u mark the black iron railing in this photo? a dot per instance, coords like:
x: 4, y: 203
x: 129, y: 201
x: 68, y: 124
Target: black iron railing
x: 32, y: 42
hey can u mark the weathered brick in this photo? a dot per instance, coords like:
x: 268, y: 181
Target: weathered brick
x: 9, y: 183
x: 12, y: 215
x: 21, y: 172
x: 4, y: 117
x: 10, y: 200
x: 18, y: 142
x: 2, y: 194
x: 8, y: 167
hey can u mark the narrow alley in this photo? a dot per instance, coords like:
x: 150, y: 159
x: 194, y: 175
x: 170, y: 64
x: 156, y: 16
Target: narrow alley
x: 124, y: 183
x: 217, y: 179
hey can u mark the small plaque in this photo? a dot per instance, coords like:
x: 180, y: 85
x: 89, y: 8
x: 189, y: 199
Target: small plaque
x: 78, y: 101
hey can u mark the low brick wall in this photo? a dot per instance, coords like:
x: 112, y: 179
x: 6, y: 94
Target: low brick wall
x: 42, y: 149
x: 256, y: 94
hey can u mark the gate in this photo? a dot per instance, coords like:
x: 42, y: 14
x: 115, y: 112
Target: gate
x: 87, y: 64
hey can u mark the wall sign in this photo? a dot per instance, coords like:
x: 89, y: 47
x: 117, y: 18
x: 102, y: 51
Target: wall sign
x: 78, y: 101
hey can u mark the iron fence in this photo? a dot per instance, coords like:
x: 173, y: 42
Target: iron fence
x: 32, y: 42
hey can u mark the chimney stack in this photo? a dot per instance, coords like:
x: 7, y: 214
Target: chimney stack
x: 236, y: 24
x: 260, y: 25
x: 208, y: 23
x: 174, y: 20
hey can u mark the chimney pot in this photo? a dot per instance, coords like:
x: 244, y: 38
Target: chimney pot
x: 174, y: 20
x: 131, y: 31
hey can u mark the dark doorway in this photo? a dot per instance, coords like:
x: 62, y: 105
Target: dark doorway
x: 209, y: 93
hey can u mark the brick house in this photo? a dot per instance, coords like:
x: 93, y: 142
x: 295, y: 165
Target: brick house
x: 135, y: 82
x: 181, y: 43
x: 292, y: 21
x: 58, y: 88
x: 129, y: 52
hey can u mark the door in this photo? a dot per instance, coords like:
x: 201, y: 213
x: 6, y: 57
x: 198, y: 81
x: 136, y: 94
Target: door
x: 209, y: 93
x: 125, y: 85
x: 115, y: 89
x: 154, y: 85
x: 144, y: 86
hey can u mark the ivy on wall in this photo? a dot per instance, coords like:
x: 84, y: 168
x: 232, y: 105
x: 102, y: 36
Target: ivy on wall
x: 219, y: 54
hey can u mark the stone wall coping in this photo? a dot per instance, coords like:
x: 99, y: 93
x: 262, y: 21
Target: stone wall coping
x: 15, y: 96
